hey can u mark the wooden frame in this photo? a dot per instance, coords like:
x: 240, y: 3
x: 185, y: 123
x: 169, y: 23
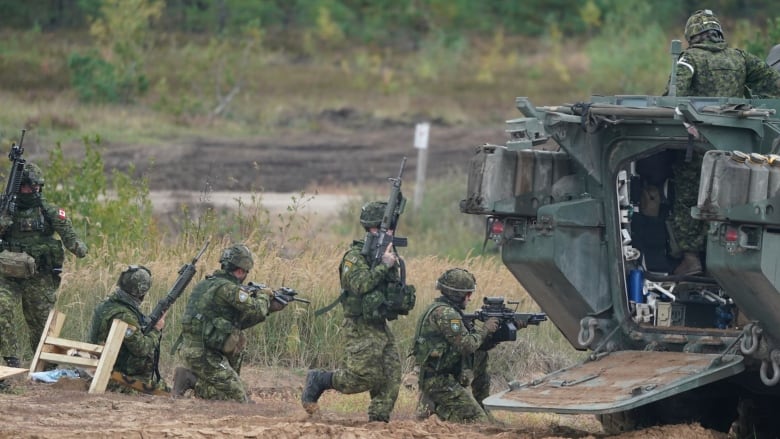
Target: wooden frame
x: 55, y: 350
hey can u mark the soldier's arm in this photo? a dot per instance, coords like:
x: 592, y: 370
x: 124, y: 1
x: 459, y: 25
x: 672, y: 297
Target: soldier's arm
x: 685, y: 67
x: 763, y: 81
x: 358, y: 277
x: 252, y: 309
x: 135, y: 341
x: 62, y: 225
x: 450, y: 325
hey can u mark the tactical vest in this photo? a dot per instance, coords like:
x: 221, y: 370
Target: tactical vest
x: 389, y: 300
x: 431, y: 351
x: 32, y: 232
x: 107, y: 311
x: 207, y: 325
x: 718, y: 73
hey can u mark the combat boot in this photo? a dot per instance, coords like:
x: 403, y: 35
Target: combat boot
x: 689, y: 266
x: 183, y: 380
x: 317, y: 381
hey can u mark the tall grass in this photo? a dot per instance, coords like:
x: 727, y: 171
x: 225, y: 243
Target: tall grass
x: 296, y: 250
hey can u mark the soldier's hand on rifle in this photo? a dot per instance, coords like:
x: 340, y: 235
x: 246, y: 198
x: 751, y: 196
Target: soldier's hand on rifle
x: 275, y: 305
x: 389, y: 258
x: 491, y: 325
x: 160, y: 323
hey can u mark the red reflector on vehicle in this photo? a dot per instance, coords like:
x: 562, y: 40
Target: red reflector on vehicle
x: 732, y: 235
x: 497, y: 228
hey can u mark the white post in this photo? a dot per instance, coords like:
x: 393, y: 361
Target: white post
x: 421, y: 144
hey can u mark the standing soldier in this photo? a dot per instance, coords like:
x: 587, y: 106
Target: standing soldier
x: 139, y: 355
x: 448, y: 353
x: 708, y: 67
x: 372, y: 361
x: 212, y: 337
x: 27, y: 236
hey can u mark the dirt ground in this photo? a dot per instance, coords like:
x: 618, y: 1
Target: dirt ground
x: 65, y: 410
x: 346, y: 151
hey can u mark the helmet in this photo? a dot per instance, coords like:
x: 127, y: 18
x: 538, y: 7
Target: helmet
x: 702, y: 21
x: 135, y: 281
x: 237, y: 256
x: 456, y: 283
x: 32, y: 175
x: 371, y: 214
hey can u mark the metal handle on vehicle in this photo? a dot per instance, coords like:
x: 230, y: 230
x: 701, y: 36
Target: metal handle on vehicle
x: 775, y: 361
x: 749, y: 343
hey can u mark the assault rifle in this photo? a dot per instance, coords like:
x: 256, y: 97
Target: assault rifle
x: 8, y: 199
x: 283, y: 295
x: 186, y: 273
x: 508, y: 320
x: 376, y: 245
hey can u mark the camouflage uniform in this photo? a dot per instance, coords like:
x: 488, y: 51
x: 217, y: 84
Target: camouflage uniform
x: 714, y: 69
x: 31, y: 229
x: 369, y: 299
x: 139, y: 352
x: 447, y: 353
x: 373, y: 363
x: 212, y: 340
x: 710, y: 68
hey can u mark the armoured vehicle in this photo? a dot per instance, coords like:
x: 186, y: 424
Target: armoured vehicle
x: 579, y: 199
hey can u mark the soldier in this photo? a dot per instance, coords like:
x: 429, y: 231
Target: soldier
x: 140, y: 353
x: 28, y: 236
x: 708, y: 67
x: 449, y: 356
x: 212, y: 337
x: 372, y: 361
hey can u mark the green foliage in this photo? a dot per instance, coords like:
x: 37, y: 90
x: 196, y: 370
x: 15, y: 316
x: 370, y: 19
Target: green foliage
x: 629, y: 51
x: 93, y: 78
x: 102, y: 212
x: 763, y: 39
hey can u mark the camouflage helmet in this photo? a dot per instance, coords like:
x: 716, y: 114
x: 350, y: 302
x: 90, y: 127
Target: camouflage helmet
x: 135, y: 281
x: 32, y: 175
x: 702, y: 21
x: 456, y: 283
x: 237, y: 256
x: 371, y: 213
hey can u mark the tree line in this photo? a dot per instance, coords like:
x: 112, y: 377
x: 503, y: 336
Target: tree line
x: 370, y: 21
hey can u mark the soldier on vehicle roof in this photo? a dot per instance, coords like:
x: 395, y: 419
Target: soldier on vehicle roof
x: 708, y: 67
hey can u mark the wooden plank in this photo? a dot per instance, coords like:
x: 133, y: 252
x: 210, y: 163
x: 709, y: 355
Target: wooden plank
x: 116, y: 336
x: 7, y: 372
x: 78, y: 345
x: 68, y: 360
x: 52, y: 328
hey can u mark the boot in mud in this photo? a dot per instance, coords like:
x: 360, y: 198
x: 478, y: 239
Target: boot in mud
x: 183, y: 380
x: 317, y: 381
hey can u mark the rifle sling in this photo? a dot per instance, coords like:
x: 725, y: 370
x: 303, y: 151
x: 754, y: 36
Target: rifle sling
x: 326, y: 309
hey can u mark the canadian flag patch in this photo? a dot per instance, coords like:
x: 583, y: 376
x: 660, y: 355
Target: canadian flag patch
x: 61, y: 214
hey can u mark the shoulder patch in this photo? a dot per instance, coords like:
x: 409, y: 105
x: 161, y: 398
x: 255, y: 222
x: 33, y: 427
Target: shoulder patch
x: 351, y: 258
x: 61, y: 214
x: 456, y: 324
x: 243, y: 296
x: 129, y: 332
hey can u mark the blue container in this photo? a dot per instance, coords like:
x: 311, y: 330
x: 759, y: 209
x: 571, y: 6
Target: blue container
x: 636, y: 283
